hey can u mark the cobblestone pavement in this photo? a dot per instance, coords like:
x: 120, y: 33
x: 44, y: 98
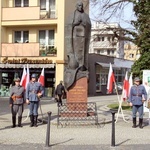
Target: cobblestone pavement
x: 73, y: 137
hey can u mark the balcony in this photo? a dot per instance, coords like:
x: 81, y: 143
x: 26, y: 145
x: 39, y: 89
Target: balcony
x: 20, y: 49
x: 25, y: 16
x: 103, y: 44
x: 47, y: 50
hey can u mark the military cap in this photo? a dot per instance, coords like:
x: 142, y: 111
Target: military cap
x: 17, y: 79
x: 136, y: 79
x: 33, y: 76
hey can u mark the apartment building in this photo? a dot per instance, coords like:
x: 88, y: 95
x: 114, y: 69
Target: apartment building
x: 33, y: 32
x: 104, y: 40
x: 131, y: 51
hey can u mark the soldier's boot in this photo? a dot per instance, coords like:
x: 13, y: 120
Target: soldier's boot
x: 32, y: 121
x: 13, y: 121
x: 35, y: 120
x: 19, y: 121
x: 134, y: 123
x: 140, y: 123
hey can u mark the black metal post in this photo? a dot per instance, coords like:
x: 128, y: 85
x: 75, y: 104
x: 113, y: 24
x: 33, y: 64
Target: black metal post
x: 48, y: 130
x: 113, y: 127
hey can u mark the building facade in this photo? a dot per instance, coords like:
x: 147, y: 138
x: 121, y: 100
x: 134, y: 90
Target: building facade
x: 98, y: 73
x: 130, y: 51
x: 33, y: 32
x: 104, y: 40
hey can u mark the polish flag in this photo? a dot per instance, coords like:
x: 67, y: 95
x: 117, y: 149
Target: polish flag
x: 111, y: 79
x: 27, y: 76
x: 130, y: 83
x: 23, y: 78
x: 125, y: 87
x: 41, y: 78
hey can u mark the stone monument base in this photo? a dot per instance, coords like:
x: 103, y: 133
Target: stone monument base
x: 77, y: 98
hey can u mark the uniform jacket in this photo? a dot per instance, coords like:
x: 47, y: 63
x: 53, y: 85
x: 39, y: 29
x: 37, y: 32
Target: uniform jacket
x: 32, y: 89
x: 17, y: 91
x: 137, y: 94
x: 59, y: 89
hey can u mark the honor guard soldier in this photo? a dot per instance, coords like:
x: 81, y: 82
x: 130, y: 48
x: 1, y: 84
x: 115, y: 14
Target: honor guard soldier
x: 136, y: 98
x: 16, y: 102
x: 33, y: 93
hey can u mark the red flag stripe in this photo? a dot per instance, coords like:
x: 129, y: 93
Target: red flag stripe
x: 125, y: 86
x: 111, y: 80
x: 41, y: 78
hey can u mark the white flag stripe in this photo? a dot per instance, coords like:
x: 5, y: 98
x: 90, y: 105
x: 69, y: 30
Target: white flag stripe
x: 28, y: 76
x: 23, y: 76
x: 130, y: 82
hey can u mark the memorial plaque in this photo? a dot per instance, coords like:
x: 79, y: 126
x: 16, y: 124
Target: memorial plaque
x: 77, y: 98
x: 78, y: 92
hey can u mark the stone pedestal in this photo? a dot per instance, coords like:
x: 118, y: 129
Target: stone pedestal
x: 77, y: 98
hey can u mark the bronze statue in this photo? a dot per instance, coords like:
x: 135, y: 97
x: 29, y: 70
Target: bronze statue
x: 78, y: 51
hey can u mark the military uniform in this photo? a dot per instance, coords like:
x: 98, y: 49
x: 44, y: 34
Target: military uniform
x: 16, y: 102
x: 136, y: 97
x: 33, y: 88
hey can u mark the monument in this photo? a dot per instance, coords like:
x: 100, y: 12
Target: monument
x: 78, y: 32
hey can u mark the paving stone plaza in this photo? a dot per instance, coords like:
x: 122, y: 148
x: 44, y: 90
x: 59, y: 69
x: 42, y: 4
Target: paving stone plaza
x: 90, y: 137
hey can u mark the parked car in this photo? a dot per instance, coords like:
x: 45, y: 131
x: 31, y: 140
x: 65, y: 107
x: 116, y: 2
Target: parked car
x: 119, y: 87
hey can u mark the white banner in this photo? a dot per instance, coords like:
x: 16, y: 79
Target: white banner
x: 146, y: 83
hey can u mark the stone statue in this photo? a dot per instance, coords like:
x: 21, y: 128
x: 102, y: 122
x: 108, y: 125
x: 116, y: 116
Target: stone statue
x: 77, y: 53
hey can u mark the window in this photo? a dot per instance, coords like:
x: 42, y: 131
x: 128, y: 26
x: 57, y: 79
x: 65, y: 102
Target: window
x: 96, y: 38
x: 51, y: 37
x: 131, y: 56
x: 42, y: 4
x: 21, y: 3
x: 52, y: 8
x: 101, y: 78
x: 7, y: 78
x: 26, y: 3
x: 102, y: 51
x: 42, y: 39
x: 103, y: 38
x: 46, y: 37
x: 17, y: 3
x: 108, y: 38
x: 98, y: 51
x: 108, y: 52
x: 46, y: 40
x: 21, y: 36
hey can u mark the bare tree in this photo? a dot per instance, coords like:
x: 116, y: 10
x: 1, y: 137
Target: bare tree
x: 106, y: 10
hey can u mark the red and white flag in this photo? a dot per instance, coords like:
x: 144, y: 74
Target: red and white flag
x: 130, y: 83
x: 27, y: 76
x: 23, y: 78
x: 111, y: 80
x: 41, y: 78
x: 125, y: 91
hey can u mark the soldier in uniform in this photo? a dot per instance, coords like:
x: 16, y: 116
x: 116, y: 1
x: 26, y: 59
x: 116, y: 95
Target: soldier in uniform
x: 33, y: 93
x: 136, y: 98
x: 60, y: 91
x: 16, y: 102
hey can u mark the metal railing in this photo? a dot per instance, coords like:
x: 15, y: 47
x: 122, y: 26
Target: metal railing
x: 77, y: 113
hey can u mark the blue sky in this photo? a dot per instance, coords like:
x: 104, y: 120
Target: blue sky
x: 123, y: 17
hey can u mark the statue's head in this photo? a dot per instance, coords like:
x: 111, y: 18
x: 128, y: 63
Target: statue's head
x: 79, y: 6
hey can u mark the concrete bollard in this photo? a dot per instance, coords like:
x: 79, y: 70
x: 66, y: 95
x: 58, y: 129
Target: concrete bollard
x: 48, y: 130
x: 113, y: 111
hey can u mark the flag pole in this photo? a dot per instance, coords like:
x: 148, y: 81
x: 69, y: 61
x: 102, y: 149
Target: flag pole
x: 120, y: 105
x: 27, y: 81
